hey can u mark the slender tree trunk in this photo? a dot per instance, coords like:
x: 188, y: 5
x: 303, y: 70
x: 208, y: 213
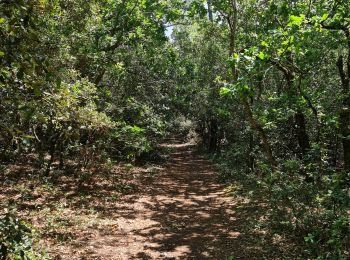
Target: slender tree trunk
x: 264, y: 139
x: 344, y: 73
x: 299, y: 118
x: 213, y: 122
x: 232, y: 22
x: 344, y: 115
x: 313, y: 109
x: 213, y: 135
x: 61, y: 156
x: 303, y: 137
x: 250, y: 156
x: 335, y: 150
x: 99, y: 76
x: 210, y: 11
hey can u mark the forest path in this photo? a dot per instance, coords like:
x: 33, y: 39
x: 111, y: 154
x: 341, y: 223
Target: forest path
x: 184, y: 213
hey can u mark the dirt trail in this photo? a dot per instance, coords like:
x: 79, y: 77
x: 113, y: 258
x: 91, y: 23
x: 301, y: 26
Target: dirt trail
x: 183, y: 214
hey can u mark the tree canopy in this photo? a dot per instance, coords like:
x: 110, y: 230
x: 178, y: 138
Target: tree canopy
x: 265, y: 85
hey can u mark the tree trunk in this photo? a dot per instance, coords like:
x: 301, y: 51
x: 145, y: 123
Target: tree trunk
x: 213, y: 135
x: 344, y: 115
x: 264, y: 139
x: 210, y: 11
x: 232, y: 22
x: 303, y: 138
x: 299, y: 118
x: 250, y: 156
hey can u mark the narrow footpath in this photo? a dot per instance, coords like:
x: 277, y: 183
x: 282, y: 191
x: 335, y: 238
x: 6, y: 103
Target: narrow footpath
x: 183, y: 214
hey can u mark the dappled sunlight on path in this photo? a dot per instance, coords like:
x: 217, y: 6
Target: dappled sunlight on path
x: 183, y: 214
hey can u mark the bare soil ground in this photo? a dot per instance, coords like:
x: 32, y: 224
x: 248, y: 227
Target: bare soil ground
x: 179, y: 211
x: 183, y: 215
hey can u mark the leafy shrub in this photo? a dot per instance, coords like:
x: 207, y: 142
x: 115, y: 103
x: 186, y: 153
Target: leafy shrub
x: 16, y: 238
x: 314, y: 214
x: 129, y: 142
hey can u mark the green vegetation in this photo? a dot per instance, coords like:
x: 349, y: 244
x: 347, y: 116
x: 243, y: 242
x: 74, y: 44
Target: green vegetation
x: 262, y: 86
x: 16, y: 239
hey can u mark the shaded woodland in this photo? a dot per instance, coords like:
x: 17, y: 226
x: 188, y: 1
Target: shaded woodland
x: 89, y: 90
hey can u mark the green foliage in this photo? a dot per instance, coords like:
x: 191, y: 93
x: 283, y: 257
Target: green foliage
x: 131, y: 141
x: 263, y: 84
x: 67, y: 100
x: 274, y: 110
x: 16, y: 238
x: 318, y: 212
x: 314, y: 214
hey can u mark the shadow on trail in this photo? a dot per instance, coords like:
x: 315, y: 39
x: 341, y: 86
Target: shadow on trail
x: 181, y: 212
x: 191, y: 217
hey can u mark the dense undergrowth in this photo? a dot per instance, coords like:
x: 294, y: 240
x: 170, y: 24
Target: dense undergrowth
x: 16, y: 238
x: 310, y: 217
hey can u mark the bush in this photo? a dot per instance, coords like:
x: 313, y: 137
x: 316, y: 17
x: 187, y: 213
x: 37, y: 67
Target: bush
x: 16, y: 238
x: 314, y: 214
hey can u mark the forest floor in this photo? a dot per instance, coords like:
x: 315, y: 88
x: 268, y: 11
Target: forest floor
x: 177, y: 211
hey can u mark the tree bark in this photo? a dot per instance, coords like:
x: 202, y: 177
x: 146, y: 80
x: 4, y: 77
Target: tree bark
x: 264, y: 139
x: 344, y: 115
x: 210, y: 11
x: 303, y: 137
x: 299, y: 117
x: 213, y: 135
x: 232, y: 22
x: 344, y: 74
